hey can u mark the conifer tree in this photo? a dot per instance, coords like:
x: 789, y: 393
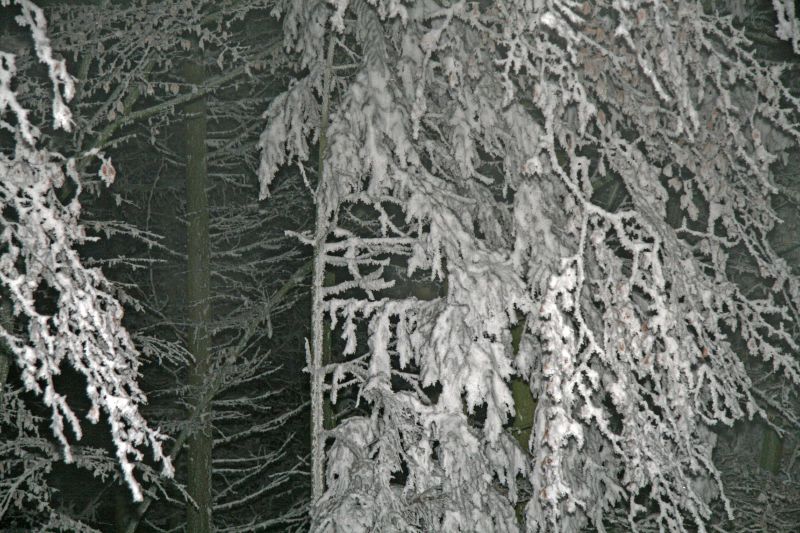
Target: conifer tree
x: 57, y: 311
x: 584, y: 169
x: 132, y: 98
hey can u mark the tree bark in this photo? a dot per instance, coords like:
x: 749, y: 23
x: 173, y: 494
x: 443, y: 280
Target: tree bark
x: 524, y: 403
x: 524, y: 410
x: 316, y: 368
x: 328, y: 417
x: 121, y: 509
x: 7, y: 321
x: 197, y: 300
x: 771, y: 451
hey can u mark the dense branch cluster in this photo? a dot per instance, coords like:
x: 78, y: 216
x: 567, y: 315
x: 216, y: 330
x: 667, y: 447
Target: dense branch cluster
x: 135, y: 98
x: 542, y: 280
x: 39, y: 264
x: 590, y: 167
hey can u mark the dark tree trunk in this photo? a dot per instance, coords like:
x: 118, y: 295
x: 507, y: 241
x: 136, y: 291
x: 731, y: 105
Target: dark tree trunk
x: 197, y: 294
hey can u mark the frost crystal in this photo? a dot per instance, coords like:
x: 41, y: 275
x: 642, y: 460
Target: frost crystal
x: 584, y: 172
x: 40, y: 268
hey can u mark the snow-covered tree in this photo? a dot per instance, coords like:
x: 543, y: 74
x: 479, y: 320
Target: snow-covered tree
x: 758, y: 459
x: 586, y: 169
x: 57, y: 310
x: 185, y: 83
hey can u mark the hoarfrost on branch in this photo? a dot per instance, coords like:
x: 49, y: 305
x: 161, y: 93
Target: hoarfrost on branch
x: 586, y: 169
x: 39, y: 265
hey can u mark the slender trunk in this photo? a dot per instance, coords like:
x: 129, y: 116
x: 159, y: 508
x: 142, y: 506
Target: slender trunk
x: 7, y: 322
x: 316, y: 364
x: 197, y: 298
x: 327, y: 407
x: 315, y: 368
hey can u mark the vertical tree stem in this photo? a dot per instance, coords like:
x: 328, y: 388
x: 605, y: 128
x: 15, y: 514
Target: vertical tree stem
x: 771, y: 451
x: 197, y: 296
x: 317, y: 305
x: 7, y: 322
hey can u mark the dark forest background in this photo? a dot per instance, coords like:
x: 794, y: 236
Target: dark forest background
x: 215, y: 283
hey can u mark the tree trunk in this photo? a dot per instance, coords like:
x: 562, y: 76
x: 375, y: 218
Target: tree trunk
x: 524, y: 403
x: 524, y: 411
x: 317, y: 304
x: 7, y: 322
x: 771, y: 451
x: 121, y: 509
x: 328, y: 417
x: 197, y: 300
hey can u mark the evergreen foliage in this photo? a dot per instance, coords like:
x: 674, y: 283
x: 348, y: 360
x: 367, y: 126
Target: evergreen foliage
x: 548, y: 244
x: 484, y: 138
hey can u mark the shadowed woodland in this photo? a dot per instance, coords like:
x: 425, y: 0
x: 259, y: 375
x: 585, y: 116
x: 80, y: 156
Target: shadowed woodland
x: 383, y: 265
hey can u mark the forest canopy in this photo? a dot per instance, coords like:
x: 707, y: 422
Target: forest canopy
x: 385, y: 265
